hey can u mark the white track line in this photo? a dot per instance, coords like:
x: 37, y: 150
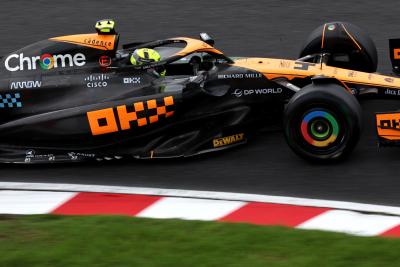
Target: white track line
x: 351, y: 223
x: 190, y: 209
x: 204, y: 195
x: 31, y: 202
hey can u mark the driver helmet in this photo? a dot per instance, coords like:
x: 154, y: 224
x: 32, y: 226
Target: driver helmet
x: 144, y: 56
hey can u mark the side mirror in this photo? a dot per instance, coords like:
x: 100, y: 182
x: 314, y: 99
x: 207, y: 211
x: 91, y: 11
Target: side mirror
x: 207, y: 39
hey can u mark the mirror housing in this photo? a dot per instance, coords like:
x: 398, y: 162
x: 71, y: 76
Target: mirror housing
x: 206, y: 38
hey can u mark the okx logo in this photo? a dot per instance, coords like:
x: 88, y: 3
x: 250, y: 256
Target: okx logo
x: 19, y: 62
x: 134, y: 80
x: 138, y: 114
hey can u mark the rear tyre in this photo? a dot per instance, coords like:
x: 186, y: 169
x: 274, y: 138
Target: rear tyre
x: 322, y: 122
x: 349, y: 46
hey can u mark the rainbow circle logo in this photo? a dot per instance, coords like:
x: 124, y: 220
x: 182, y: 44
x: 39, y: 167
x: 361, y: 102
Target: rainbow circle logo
x: 319, y: 128
x: 46, y: 61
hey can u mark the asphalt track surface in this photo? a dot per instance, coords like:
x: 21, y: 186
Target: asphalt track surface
x: 241, y: 28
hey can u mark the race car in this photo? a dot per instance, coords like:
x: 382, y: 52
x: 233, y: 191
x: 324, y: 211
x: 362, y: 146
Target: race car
x: 78, y: 97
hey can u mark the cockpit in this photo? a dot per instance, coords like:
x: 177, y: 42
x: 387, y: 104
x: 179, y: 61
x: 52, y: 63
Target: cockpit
x: 179, y: 56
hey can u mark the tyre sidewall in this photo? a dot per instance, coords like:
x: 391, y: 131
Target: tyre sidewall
x: 330, y: 97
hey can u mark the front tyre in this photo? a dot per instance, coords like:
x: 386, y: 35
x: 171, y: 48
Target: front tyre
x: 322, y: 122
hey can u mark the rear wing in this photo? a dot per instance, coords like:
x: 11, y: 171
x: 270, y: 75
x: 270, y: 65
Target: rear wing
x: 394, y: 48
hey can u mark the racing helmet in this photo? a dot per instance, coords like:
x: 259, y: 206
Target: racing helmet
x: 144, y: 56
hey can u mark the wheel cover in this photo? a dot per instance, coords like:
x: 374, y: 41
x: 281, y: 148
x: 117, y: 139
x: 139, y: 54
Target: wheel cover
x: 319, y: 128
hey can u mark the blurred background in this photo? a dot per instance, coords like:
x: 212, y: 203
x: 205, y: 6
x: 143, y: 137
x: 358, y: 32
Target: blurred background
x: 272, y: 28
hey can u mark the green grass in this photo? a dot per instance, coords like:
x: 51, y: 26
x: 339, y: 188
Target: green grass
x: 123, y: 241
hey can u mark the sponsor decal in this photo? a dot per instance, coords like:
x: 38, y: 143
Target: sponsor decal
x: 19, y: 62
x: 96, y: 42
x: 105, y: 61
x: 389, y: 80
x: 25, y: 84
x: 390, y: 124
x: 351, y: 74
x: 240, y: 76
x: 30, y: 154
x: 284, y: 64
x: 262, y: 91
x: 392, y: 92
x: 132, y: 80
x: 302, y: 65
x: 76, y: 155
x: 228, y: 140
x: 97, y: 80
x: 12, y: 100
x: 46, y: 61
x: 140, y: 114
x: 370, y: 76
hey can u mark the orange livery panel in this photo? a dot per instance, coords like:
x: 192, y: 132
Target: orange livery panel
x: 142, y: 113
x: 93, y: 40
x: 388, y: 125
x: 273, y: 68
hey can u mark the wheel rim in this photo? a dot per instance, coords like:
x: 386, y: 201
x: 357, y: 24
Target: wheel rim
x: 319, y: 128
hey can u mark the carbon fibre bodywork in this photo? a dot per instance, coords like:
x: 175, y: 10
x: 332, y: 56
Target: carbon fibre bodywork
x: 76, y: 98
x: 57, y: 106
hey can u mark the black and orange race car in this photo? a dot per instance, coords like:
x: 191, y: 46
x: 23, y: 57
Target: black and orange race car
x: 77, y: 97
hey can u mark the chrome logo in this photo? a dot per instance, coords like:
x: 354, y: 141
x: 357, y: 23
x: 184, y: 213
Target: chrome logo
x: 46, y: 61
x: 319, y: 128
x: 18, y: 62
